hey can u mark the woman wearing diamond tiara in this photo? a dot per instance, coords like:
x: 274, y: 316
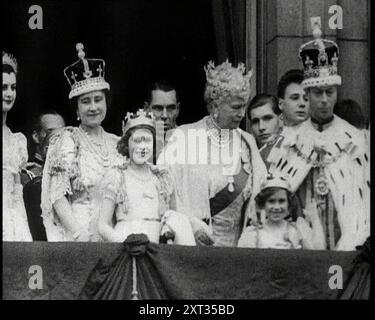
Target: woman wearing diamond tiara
x: 15, y: 225
x: 216, y: 188
x: 79, y: 158
x: 138, y: 197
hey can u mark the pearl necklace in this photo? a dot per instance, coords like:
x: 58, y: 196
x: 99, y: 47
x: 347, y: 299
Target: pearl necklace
x: 96, y: 143
x: 96, y: 149
x: 215, y: 133
x: 219, y: 137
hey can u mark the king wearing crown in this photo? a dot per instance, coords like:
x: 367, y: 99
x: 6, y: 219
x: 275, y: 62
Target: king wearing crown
x: 326, y: 158
x: 138, y: 197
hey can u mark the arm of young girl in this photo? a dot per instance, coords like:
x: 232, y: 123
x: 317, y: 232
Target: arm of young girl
x: 105, y: 221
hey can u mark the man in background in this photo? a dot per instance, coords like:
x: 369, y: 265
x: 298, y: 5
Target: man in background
x: 163, y: 102
x: 293, y: 100
x: 32, y: 193
x: 263, y: 113
x: 46, y: 122
x: 44, y: 126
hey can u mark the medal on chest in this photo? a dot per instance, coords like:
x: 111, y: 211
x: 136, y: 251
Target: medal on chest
x: 321, y: 185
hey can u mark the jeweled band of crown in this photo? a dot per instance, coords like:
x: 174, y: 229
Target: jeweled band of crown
x: 10, y: 60
x: 140, y: 118
x: 85, y: 75
x: 224, y: 81
x: 320, y: 59
x: 272, y: 181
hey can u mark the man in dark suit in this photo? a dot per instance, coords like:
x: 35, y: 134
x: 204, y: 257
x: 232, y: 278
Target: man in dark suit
x: 32, y: 194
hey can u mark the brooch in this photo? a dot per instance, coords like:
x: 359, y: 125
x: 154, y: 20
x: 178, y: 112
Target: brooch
x: 321, y: 186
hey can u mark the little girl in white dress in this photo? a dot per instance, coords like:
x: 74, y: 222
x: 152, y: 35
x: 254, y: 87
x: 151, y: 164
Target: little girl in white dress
x: 276, y: 232
x: 138, y: 197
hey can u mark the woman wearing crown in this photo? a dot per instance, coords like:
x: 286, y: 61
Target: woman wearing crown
x: 138, y: 197
x: 15, y: 225
x: 79, y: 158
x: 217, y: 178
x: 276, y: 231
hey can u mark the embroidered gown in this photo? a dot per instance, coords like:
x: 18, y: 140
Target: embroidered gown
x: 210, y: 191
x: 228, y: 201
x: 15, y: 224
x: 75, y: 168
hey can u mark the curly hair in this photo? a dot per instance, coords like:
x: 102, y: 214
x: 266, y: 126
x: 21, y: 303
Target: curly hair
x: 123, y: 144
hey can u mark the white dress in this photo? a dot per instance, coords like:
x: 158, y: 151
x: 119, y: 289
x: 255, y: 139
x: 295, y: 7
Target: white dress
x: 143, y: 212
x: 259, y: 237
x: 15, y: 224
x: 75, y: 168
x: 145, y: 206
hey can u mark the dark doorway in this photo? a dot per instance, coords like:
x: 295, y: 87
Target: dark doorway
x: 140, y: 40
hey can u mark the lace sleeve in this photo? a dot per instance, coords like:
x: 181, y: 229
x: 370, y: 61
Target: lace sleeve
x: 22, y: 150
x: 112, y: 186
x: 167, y: 188
x: 59, y: 167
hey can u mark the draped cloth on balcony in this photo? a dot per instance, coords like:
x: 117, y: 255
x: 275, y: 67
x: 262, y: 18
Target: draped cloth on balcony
x: 161, y: 276
x: 357, y: 286
x: 104, y: 271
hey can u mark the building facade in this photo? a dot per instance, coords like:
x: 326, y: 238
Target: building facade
x: 280, y: 27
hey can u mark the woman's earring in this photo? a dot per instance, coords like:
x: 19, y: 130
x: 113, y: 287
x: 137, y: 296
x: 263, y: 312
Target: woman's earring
x: 215, y: 115
x: 78, y: 118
